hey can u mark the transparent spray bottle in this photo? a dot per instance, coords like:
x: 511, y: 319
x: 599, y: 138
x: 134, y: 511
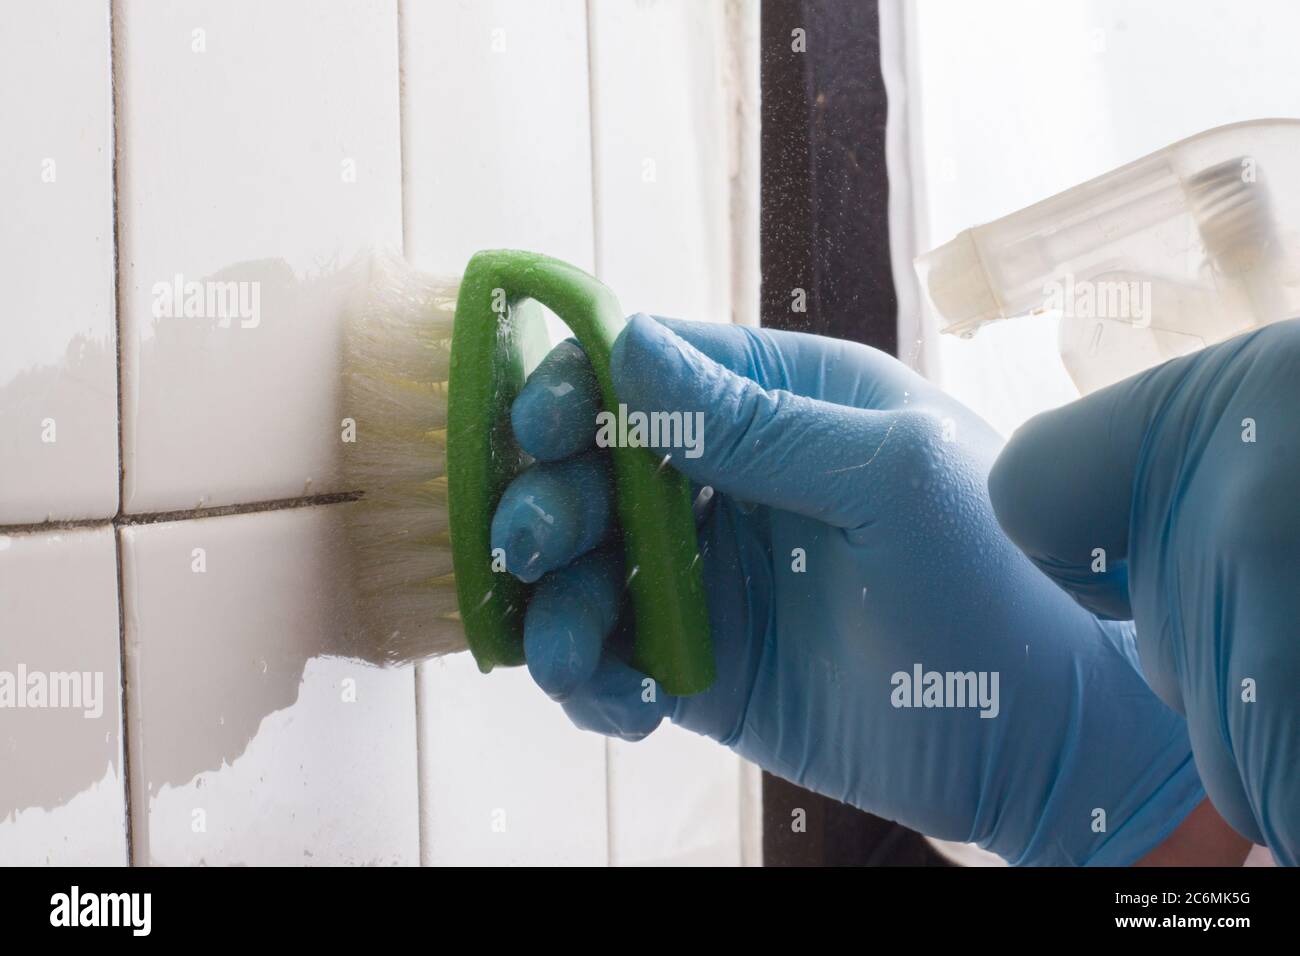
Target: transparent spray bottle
x: 1188, y: 246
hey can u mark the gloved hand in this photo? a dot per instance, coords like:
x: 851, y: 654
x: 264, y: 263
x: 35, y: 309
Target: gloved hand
x: 849, y: 547
x: 1185, y: 479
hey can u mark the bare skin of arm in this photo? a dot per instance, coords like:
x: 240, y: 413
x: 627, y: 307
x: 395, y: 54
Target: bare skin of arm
x: 1202, y: 839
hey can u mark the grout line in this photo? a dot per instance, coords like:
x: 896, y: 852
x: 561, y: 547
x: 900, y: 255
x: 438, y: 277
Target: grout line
x: 221, y: 511
x: 163, y: 517
x: 124, y: 681
x: 609, y: 803
x: 114, y: 59
x: 401, y: 127
x: 421, y: 797
x: 596, y: 256
x: 46, y: 526
x: 114, y: 47
x: 598, y: 267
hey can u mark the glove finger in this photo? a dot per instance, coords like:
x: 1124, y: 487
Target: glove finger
x: 554, y: 414
x: 570, y: 613
x: 552, y: 513
x: 576, y: 643
x: 618, y: 701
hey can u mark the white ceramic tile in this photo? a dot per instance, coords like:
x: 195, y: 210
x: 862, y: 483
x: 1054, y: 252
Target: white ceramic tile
x: 252, y: 740
x: 61, y: 794
x: 496, y: 127
x: 664, y: 154
x: 674, y: 800
x: 58, y: 374
x: 507, y: 779
x: 497, y: 153
x: 259, y: 144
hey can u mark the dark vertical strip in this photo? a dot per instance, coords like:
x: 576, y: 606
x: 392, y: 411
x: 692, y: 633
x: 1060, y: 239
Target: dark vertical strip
x: 824, y: 222
x: 115, y: 61
x: 824, y: 230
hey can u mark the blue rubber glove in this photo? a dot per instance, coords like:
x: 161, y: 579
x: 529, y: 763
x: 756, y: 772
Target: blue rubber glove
x: 849, y: 543
x: 1186, y: 480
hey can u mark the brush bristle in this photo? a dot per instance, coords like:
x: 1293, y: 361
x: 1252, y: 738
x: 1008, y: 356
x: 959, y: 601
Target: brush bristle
x: 397, y: 351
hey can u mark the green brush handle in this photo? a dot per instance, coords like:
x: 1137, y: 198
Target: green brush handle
x: 654, y: 502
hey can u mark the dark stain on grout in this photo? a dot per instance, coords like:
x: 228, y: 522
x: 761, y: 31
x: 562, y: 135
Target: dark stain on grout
x: 163, y: 517
x: 44, y: 526
x: 255, y: 507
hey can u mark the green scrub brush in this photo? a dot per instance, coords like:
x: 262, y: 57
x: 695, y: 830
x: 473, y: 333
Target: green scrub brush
x: 430, y: 375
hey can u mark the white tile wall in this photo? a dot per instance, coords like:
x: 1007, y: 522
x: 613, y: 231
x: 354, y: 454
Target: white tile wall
x: 675, y: 800
x: 250, y: 742
x: 663, y: 156
x: 265, y: 144
x: 496, y: 129
x: 61, y: 794
x: 58, y: 373
x: 506, y: 778
x: 258, y: 144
